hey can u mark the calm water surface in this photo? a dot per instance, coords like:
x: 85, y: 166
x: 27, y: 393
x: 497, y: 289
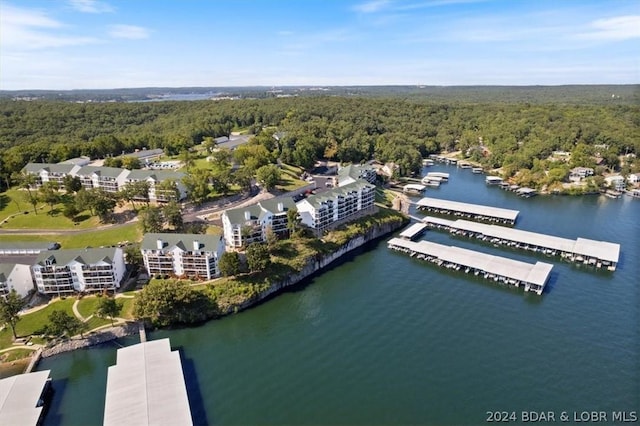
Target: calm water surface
x: 382, y: 338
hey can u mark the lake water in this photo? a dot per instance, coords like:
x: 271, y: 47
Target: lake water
x: 383, y: 338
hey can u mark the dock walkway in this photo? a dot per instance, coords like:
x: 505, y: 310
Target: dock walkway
x: 473, y: 211
x: 533, y: 277
x: 589, y: 252
x: 147, y: 387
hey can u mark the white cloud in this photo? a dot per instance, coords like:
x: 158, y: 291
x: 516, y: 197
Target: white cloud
x: 613, y: 29
x: 371, y: 6
x: 131, y: 32
x: 32, y: 29
x: 91, y: 6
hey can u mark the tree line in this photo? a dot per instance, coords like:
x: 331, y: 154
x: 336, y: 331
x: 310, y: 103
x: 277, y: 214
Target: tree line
x: 341, y: 128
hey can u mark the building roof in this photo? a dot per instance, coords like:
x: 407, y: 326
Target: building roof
x: 78, y: 161
x: 273, y: 204
x: 413, y: 230
x: 147, y: 387
x: 477, y: 209
x: 330, y: 195
x: 157, y: 175
x: 260, y: 209
x: 112, y: 172
x: 51, y: 168
x: 234, y: 141
x: 87, y: 256
x: 5, y: 271
x: 20, y: 397
x: 237, y: 216
x: 414, y: 187
x: 598, y: 249
x: 145, y: 153
x: 185, y: 242
x: 537, y: 273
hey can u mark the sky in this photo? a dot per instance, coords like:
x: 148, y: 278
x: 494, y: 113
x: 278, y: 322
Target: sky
x: 103, y: 44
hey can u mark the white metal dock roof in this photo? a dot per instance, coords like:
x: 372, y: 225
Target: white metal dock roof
x: 19, y: 396
x: 599, y: 249
x: 537, y: 273
x: 413, y: 230
x: 146, y: 387
x: 478, y: 209
x: 414, y: 187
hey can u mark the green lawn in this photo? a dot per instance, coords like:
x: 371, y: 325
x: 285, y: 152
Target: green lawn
x: 13, y: 201
x: 88, y: 305
x: 35, y: 321
x: 127, y: 307
x: 16, y: 354
x: 289, y: 178
x: 106, y: 237
x: 96, y: 322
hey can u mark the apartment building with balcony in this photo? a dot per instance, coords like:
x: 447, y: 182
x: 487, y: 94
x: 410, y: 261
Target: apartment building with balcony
x: 46, y: 172
x: 64, y: 272
x: 245, y: 225
x: 355, y: 172
x: 321, y: 211
x: 188, y: 255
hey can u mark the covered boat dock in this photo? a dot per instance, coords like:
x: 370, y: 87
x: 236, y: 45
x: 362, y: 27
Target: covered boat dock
x: 22, y: 398
x: 533, y: 277
x: 590, y: 252
x: 413, y: 231
x: 474, y: 211
x: 146, y: 387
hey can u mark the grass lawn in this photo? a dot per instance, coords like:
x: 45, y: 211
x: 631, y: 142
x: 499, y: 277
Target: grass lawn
x: 87, y: 305
x: 215, y: 230
x: 35, y: 321
x: 289, y: 178
x: 107, y: 237
x: 96, y: 322
x: 6, y: 338
x: 127, y: 307
x: 45, y: 219
x: 15, y: 354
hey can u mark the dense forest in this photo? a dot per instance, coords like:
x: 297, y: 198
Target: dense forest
x: 513, y: 135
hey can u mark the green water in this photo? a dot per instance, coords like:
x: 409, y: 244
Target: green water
x: 382, y: 338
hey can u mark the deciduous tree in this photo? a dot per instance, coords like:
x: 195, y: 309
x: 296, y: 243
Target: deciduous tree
x: 10, y: 306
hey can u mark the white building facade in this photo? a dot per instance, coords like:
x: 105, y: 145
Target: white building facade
x: 182, y: 255
x: 15, y: 276
x: 323, y: 210
x: 245, y: 225
x: 87, y: 270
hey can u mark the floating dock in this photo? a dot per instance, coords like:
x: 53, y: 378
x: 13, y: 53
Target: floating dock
x: 440, y: 176
x: 493, y: 180
x: 146, y: 387
x: 533, y: 277
x: 474, y: 211
x: 589, y: 252
x: 414, y: 188
x: 413, y: 231
x: 22, y: 398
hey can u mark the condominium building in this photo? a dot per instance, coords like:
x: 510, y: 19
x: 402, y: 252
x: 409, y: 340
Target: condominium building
x: 110, y: 179
x: 45, y: 172
x: 190, y: 255
x: 15, y: 276
x: 245, y: 225
x: 154, y: 178
x: 86, y: 270
x: 354, y: 172
x: 323, y: 210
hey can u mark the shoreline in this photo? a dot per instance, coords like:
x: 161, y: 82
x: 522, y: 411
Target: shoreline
x: 312, y: 267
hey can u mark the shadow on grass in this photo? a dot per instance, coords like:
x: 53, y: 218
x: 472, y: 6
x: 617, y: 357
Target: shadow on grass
x: 4, y: 201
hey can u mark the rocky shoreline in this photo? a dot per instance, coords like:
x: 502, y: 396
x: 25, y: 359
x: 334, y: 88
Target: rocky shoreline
x: 312, y: 267
x: 95, y: 338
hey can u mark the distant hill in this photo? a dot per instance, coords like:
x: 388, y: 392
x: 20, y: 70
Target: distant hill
x: 570, y: 94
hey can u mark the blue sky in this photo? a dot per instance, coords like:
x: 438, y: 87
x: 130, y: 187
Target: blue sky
x: 84, y: 44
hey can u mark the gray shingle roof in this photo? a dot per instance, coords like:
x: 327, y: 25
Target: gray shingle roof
x: 88, y: 256
x: 209, y: 243
x: 52, y: 168
x: 5, y: 271
x: 112, y: 172
x: 317, y: 200
x: 157, y: 175
x: 236, y: 216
